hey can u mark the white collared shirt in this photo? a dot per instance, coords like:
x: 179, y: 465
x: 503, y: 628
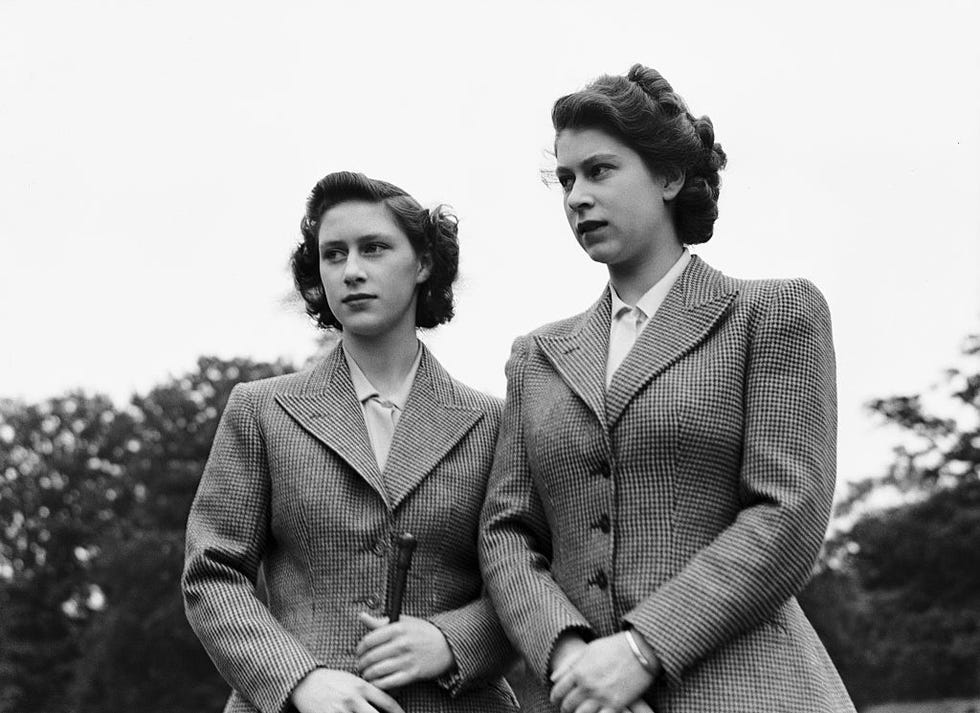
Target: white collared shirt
x: 381, y: 413
x: 628, y: 321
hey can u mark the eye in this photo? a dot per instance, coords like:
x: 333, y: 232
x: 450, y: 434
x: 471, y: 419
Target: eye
x: 599, y: 170
x: 332, y: 255
x: 565, y: 180
x: 374, y: 248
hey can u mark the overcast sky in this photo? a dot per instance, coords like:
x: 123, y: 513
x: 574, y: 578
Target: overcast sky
x: 155, y: 158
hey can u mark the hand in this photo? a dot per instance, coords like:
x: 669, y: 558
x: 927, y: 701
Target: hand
x: 329, y: 691
x: 567, y: 649
x: 393, y: 655
x: 605, y: 677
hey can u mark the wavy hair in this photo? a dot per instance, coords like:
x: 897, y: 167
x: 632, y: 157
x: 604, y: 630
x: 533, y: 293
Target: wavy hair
x: 643, y: 111
x: 431, y: 233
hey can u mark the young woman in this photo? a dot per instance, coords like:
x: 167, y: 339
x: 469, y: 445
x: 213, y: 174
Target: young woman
x: 666, y: 461
x: 313, y: 475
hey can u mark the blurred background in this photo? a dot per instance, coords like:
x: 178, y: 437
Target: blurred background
x: 154, y: 163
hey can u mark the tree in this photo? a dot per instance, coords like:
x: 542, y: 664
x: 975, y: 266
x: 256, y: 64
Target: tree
x: 897, y: 596
x: 61, y: 494
x: 93, y: 502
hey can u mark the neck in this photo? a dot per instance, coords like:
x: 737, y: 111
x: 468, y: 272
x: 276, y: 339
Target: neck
x: 632, y: 281
x: 386, y: 358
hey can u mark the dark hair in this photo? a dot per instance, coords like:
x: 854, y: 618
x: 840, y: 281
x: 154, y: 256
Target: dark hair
x: 643, y: 111
x: 432, y: 234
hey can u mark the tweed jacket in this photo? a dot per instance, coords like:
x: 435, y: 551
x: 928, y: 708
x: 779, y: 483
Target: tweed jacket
x: 292, y: 484
x: 688, y: 501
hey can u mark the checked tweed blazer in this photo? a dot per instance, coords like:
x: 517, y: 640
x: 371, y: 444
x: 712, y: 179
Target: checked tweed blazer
x: 292, y: 484
x: 688, y: 502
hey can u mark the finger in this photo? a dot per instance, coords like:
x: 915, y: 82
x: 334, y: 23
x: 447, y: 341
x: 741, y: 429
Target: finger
x: 372, y: 622
x: 562, y: 686
x: 571, y: 701
x: 362, y: 706
x: 395, y: 680
x: 382, y: 669
x: 387, y: 650
x: 567, y: 664
x: 381, y: 699
x: 588, y: 706
x: 640, y: 706
x: 376, y: 638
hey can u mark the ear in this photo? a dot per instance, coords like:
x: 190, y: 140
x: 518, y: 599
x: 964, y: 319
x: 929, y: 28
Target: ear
x: 425, y: 268
x: 672, y: 186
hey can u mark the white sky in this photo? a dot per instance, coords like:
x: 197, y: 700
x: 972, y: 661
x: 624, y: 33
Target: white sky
x: 155, y: 158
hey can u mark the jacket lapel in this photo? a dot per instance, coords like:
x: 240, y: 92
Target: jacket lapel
x: 692, y: 307
x: 580, y: 357
x: 430, y: 426
x: 329, y: 410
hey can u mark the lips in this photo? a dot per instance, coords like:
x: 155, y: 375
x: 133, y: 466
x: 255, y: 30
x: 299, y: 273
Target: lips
x: 357, y: 297
x: 587, y: 226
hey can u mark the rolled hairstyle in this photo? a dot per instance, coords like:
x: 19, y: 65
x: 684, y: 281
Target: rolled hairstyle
x: 432, y: 234
x: 643, y: 111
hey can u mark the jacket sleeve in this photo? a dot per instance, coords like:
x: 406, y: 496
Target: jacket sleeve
x: 478, y: 642
x: 786, y: 486
x: 515, y: 541
x: 227, y: 532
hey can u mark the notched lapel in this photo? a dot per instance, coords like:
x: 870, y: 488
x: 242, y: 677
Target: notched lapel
x: 692, y: 308
x: 330, y: 412
x: 431, y: 425
x: 580, y: 357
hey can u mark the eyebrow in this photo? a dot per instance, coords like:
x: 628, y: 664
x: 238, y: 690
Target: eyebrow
x: 359, y: 239
x: 590, y: 159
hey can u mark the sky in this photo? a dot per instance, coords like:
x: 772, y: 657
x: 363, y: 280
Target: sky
x: 155, y: 158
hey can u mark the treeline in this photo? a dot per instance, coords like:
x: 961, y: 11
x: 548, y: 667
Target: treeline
x: 94, y: 497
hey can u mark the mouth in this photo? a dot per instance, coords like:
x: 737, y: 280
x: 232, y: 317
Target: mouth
x: 587, y: 226
x: 358, y: 298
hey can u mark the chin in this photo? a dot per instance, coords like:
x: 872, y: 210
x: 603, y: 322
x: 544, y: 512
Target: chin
x: 598, y: 253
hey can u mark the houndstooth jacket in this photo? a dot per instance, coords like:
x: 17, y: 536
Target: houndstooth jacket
x: 292, y: 484
x: 688, y: 502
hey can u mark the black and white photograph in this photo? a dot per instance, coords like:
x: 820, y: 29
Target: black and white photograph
x: 432, y: 357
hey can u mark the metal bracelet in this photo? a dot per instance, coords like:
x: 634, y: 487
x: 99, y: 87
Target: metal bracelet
x: 635, y: 648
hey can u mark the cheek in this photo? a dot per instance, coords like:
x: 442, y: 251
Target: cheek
x: 569, y: 213
x: 328, y: 280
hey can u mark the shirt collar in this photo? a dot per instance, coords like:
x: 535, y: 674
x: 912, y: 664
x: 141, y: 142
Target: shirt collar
x: 365, y: 390
x: 651, y: 300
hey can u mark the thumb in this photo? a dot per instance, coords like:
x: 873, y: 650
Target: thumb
x: 372, y: 622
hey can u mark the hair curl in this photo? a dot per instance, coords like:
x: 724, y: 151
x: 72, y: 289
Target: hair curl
x: 432, y: 234
x: 643, y: 111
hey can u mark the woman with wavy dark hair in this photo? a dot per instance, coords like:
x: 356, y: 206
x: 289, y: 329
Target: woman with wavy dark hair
x: 666, y: 462
x: 314, y: 476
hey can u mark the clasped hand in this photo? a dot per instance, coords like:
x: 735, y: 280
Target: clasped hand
x: 394, y: 655
x: 389, y: 656
x: 600, y: 677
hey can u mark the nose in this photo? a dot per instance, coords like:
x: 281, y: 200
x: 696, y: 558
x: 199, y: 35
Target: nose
x: 353, y: 270
x: 578, y: 197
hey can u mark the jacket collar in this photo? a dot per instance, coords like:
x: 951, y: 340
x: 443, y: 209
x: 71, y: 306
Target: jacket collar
x: 693, y: 306
x: 431, y: 424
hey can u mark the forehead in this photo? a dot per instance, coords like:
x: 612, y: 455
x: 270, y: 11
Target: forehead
x: 354, y: 219
x: 573, y: 146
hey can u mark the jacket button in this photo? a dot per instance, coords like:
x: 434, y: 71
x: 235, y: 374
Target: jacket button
x: 599, y: 579
x: 604, y: 471
x: 380, y: 548
x: 603, y: 523
x: 373, y: 601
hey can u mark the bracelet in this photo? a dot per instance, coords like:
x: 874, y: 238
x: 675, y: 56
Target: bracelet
x: 635, y: 648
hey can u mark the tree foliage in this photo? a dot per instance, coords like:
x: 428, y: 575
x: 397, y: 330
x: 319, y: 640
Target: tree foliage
x: 897, y: 598
x: 93, y: 502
